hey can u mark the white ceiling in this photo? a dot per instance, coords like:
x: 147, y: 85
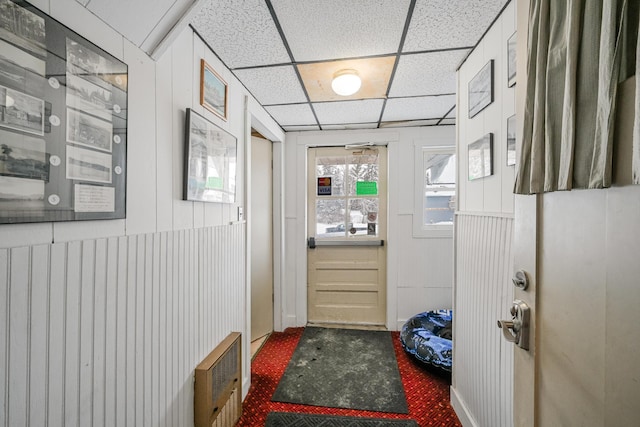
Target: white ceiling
x: 263, y: 41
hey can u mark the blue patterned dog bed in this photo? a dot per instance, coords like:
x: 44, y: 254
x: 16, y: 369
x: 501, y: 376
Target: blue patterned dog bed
x: 427, y: 336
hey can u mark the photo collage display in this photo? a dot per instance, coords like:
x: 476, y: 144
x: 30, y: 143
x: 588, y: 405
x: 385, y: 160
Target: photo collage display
x: 63, y: 122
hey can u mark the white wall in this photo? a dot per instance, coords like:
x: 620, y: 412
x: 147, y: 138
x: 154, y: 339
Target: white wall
x: 482, y: 380
x: 106, y: 320
x: 419, y: 270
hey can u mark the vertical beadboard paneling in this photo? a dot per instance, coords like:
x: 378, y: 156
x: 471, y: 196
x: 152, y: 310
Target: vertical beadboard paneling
x: 39, y: 296
x: 121, y: 332
x: 108, y: 331
x: 57, y: 340
x: 110, y: 339
x: 483, y: 360
x: 99, y: 350
x: 72, y: 336
x: 19, y: 335
x: 4, y: 334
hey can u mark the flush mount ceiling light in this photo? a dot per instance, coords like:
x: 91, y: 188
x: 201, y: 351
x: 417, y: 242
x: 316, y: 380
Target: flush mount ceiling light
x: 346, y: 82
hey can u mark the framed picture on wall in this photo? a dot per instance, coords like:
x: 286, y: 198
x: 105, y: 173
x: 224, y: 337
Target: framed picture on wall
x: 210, y: 161
x: 511, y: 60
x: 213, y: 90
x: 63, y: 122
x: 481, y: 90
x: 511, y: 140
x: 481, y: 157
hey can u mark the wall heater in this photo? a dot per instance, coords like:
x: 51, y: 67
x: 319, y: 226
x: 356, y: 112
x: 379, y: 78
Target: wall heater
x: 218, y: 385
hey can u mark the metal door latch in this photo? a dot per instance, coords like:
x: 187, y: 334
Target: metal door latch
x: 516, y: 330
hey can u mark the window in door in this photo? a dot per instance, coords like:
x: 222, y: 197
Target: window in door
x: 350, y: 209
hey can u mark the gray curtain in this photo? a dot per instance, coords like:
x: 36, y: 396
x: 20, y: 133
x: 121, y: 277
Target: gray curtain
x: 579, y: 50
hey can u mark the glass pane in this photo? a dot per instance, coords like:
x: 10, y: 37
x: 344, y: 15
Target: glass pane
x: 440, y: 188
x: 333, y: 167
x: 363, y: 168
x: 363, y: 216
x: 330, y: 215
x: 439, y: 207
x: 439, y: 168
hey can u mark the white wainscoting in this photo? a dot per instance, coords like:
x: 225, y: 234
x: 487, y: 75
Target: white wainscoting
x: 108, y: 332
x: 482, y: 358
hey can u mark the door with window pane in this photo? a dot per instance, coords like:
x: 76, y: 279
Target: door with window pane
x: 346, y: 278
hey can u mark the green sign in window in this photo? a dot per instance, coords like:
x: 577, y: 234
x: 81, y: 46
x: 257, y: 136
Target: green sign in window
x: 366, y: 188
x: 215, y: 182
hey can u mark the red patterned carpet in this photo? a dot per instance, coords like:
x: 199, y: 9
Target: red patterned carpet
x: 427, y: 393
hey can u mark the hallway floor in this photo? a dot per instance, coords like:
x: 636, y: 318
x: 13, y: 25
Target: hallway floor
x: 427, y: 390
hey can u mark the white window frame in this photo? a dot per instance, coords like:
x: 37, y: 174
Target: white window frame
x: 421, y: 230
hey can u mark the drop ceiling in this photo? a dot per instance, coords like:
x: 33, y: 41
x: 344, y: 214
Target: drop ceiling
x: 406, y: 51
x: 286, y: 51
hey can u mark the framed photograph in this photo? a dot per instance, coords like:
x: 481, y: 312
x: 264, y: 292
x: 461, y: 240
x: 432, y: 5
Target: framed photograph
x: 23, y: 156
x: 213, y: 90
x: 88, y: 165
x: 210, y: 161
x: 88, y: 97
x: 97, y: 67
x: 22, y: 28
x: 63, y: 122
x: 481, y: 157
x: 21, y: 112
x: 511, y: 60
x: 87, y: 130
x: 481, y: 90
x: 511, y: 140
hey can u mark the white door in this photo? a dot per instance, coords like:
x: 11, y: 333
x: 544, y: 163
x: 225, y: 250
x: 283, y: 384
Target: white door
x: 525, y: 254
x: 261, y: 220
x: 347, y: 206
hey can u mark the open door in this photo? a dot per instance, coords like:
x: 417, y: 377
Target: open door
x: 526, y: 220
x: 261, y: 238
x: 347, y: 206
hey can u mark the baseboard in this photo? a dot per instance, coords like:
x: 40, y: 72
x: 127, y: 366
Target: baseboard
x: 461, y: 409
x: 246, y: 384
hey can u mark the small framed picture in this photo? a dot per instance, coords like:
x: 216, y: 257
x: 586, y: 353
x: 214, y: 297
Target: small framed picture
x: 511, y: 60
x: 511, y: 140
x: 481, y: 90
x: 481, y: 157
x: 213, y: 90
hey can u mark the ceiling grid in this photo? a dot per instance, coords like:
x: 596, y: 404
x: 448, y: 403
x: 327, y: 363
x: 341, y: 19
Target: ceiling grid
x: 285, y: 52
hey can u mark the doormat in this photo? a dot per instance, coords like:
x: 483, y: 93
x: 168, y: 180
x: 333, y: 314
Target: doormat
x: 344, y: 368
x: 292, y: 419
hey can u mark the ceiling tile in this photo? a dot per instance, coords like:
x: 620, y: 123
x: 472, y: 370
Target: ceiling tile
x: 361, y: 111
x: 292, y: 115
x: 430, y: 122
x: 300, y: 128
x: 374, y: 72
x: 242, y: 33
x: 424, y: 107
x: 351, y: 126
x: 433, y: 20
x: 338, y: 29
x: 427, y: 73
x: 133, y: 19
x: 273, y: 85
